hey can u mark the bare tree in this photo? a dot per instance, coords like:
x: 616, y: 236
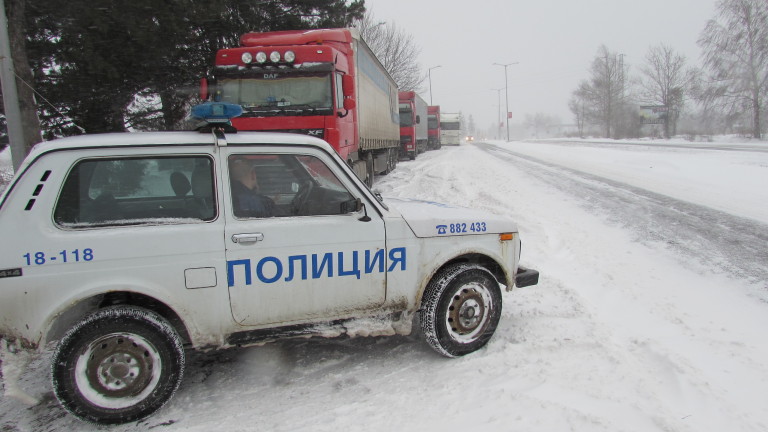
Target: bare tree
x: 735, y: 51
x: 395, y: 49
x: 542, y: 125
x: 578, y: 106
x: 605, y: 92
x: 664, y: 81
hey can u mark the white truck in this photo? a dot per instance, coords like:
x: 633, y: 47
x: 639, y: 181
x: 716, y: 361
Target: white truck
x: 128, y: 249
x: 450, y: 128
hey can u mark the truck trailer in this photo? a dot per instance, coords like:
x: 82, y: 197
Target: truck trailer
x: 450, y: 128
x: 413, y: 124
x: 325, y: 83
x: 433, y: 127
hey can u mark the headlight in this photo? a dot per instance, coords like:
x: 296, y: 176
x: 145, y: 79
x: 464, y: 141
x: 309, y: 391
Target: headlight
x: 247, y: 57
x: 261, y: 57
x: 274, y: 56
x: 290, y: 56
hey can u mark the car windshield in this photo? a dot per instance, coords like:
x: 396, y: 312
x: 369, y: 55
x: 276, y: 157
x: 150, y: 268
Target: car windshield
x: 450, y: 126
x: 279, y: 94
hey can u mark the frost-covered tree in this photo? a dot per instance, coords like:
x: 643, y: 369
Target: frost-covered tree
x: 541, y: 124
x: 735, y: 52
x: 395, y: 49
x: 664, y: 81
x: 578, y: 106
x: 604, y: 93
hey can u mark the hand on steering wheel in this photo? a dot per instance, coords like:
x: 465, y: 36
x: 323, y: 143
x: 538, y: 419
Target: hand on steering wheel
x: 302, y: 196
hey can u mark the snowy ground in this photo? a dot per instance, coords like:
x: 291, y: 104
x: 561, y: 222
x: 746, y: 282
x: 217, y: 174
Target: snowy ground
x: 649, y: 316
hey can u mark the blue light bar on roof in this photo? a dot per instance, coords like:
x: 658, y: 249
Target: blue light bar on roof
x: 216, y: 112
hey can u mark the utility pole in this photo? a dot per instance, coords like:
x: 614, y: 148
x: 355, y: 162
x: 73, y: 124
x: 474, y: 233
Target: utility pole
x: 506, y: 87
x: 10, y: 94
x: 429, y: 72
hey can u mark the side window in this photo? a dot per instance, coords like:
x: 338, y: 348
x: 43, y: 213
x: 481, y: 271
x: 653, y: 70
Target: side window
x: 136, y: 191
x: 273, y: 185
x: 339, y: 92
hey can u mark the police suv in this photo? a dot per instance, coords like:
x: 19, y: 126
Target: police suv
x: 129, y: 248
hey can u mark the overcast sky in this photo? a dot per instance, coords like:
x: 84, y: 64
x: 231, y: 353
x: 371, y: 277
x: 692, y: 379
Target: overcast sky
x: 553, y: 41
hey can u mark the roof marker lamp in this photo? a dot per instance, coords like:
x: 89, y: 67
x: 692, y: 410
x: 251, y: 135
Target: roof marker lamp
x: 274, y: 56
x: 290, y: 56
x: 216, y: 112
x: 247, y: 58
x: 261, y: 57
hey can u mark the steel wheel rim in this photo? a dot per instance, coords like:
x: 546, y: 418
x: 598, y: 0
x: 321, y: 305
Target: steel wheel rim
x: 468, y: 312
x: 118, y: 370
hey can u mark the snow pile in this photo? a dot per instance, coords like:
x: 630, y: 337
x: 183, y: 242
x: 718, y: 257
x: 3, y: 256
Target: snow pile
x: 623, y: 333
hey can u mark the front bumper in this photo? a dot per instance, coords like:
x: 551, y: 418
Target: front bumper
x: 526, y: 277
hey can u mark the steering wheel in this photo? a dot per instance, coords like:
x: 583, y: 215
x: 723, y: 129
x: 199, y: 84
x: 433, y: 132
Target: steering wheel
x: 302, y: 196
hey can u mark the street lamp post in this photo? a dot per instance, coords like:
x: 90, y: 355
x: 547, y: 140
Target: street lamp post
x: 429, y: 72
x: 498, y: 110
x: 506, y: 91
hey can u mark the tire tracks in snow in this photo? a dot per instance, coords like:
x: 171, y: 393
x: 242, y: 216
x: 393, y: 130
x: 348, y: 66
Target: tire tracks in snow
x: 718, y: 240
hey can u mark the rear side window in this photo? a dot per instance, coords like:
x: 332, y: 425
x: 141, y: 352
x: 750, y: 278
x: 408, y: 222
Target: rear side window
x: 136, y: 191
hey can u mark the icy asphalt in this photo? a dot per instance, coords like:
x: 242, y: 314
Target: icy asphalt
x: 726, y: 242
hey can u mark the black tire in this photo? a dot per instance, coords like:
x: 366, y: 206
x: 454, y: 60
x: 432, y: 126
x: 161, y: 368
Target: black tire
x: 460, y: 309
x: 118, y: 365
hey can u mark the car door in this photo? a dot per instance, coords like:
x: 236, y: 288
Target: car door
x: 313, y: 255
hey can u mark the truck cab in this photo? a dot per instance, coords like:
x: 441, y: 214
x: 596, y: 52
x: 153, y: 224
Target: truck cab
x: 326, y: 83
x: 413, y: 124
x: 129, y: 249
x: 433, y: 127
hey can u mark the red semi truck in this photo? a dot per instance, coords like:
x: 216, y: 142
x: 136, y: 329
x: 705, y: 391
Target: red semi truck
x: 324, y: 83
x: 433, y: 127
x: 413, y: 124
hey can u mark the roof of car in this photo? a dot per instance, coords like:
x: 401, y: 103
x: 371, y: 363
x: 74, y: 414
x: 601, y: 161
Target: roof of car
x: 144, y: 139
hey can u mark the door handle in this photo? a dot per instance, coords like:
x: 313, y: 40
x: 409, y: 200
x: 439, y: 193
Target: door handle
x: 247, y: 238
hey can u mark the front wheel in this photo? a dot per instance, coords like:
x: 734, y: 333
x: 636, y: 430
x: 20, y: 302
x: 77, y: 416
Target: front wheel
x: 460, y: 309
x: 118, y: 365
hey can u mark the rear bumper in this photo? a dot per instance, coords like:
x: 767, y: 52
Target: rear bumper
x: 526, y: 277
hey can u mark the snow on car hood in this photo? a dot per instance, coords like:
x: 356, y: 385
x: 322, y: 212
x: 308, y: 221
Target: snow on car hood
x: 433, y: 219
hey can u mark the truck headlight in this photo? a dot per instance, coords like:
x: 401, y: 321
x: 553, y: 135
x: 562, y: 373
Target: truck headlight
x: 261, y: 57
x: 290, y: 56
x: 247, y: 58
x: 274, y: 56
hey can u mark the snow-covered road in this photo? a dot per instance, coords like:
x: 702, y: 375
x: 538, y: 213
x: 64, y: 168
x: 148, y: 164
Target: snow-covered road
x: 650, y: 314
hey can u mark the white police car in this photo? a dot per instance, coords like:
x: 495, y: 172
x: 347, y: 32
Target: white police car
x: 129, y: 248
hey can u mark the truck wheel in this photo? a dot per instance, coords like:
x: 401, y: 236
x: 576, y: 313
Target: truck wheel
x: 118, y: 365
x: 392, y: 157
x: 460, y: 309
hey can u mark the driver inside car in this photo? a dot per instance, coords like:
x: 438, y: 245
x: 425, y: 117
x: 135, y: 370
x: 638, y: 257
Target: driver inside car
x: 246, y: 199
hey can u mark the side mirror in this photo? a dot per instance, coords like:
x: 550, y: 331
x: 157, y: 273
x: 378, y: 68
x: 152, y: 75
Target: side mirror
x: 351, y: 206
x: 418, y: 119
x: 204, y: 88
x: 349, y: 104
x: 348, y: 86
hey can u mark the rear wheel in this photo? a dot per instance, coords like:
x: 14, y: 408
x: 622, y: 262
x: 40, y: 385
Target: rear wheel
x: 117, y: 365
x: 460, y: 309
x: 392, y: 157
